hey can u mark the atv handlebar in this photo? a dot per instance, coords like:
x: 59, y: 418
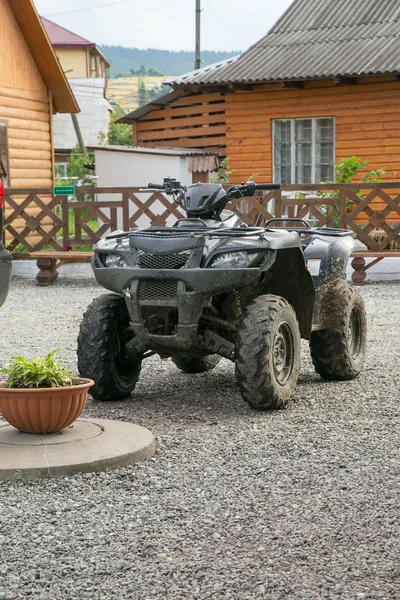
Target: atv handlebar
x: 250, y: 188
x: 268, y: 186
x: 171, y: 186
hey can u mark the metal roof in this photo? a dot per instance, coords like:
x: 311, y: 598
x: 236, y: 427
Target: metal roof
x: 208, y: 71
x: 154, y: 150
x: 63, y: 38
x: 59, y: 36
x: 316, y: 39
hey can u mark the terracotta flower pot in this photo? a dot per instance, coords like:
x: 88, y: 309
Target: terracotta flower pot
x: 44, y: 410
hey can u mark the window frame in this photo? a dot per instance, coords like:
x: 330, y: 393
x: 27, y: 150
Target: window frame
x: 293, y: 164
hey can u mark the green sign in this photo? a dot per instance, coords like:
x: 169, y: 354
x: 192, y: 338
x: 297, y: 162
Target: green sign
x: 64, y: 190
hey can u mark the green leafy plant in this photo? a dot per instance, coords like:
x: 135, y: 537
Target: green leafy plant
x: 78, y: 166
x: 223, y: 174
x: 346, y: 170
x: 37, y: 373
x: 118, y: 134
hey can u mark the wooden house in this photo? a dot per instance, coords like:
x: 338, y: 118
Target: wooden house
x: 32, y: 88
x: 79, y: 57
x: 323, y: 84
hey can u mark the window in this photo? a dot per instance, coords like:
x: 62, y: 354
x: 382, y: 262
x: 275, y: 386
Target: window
x: 61, y: 170
x: 4, y: 155
x: 304, y: 150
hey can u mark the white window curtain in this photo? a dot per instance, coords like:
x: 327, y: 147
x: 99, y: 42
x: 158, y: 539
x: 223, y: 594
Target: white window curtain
x: 304, y: 150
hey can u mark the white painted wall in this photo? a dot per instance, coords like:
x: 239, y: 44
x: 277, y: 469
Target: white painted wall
x: 93, y: 118
x: 127, y: 168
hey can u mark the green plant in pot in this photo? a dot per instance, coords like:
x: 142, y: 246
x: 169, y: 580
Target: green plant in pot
x: 41, y: 395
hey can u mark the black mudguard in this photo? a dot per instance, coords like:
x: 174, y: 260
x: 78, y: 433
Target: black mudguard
x: 291, y: 280
x: 327, y: 257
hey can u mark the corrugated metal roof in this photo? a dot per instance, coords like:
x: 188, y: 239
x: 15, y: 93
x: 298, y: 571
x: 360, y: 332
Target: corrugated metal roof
x: 155, y: 150
x: 315, y: 39
x: 208, y: 70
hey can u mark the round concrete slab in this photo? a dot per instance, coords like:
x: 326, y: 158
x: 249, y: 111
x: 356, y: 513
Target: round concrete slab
x: 88, y: 445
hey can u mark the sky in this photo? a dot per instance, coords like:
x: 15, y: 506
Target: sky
x: 166, y: 24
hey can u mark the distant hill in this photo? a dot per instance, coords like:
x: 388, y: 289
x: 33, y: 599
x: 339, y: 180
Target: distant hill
x: 174, y: 63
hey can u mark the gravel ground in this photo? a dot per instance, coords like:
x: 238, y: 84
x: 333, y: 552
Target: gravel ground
x: 299, y: 504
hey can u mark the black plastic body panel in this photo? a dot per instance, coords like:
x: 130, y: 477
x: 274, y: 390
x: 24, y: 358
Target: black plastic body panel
x: 333, y: 252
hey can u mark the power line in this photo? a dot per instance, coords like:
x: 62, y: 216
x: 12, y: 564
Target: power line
x: 68, y: 12
x: 224, y: 26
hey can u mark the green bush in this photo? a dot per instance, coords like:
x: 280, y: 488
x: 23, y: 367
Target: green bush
x: 346, y: 169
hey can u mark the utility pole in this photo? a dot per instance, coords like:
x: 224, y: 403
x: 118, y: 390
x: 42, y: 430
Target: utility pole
x: 78, y: 133
x: 197, y: 62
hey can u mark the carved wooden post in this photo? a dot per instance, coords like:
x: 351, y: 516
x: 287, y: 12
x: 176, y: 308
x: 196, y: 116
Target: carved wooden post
x: 47, y: 271
x: 358, y: 276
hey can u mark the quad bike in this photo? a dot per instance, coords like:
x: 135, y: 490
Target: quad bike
x: 211, y: 287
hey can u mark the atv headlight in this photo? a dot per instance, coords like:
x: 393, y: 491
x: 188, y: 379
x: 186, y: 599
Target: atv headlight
x: 231, y: 260
x: 115, y: 260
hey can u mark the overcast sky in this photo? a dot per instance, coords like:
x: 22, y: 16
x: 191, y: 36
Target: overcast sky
x: 166, y: 24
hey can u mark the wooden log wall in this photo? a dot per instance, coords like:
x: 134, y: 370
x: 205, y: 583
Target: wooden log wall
x: 25, y: 109
x: 196, y: 121
x: 367, y: 123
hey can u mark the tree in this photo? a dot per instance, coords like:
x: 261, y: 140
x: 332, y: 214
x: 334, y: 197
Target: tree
x: 108, y: 73
x: 143, y: 93
x: 154, y: 72
x: 142, y: 70
x: 118, y: 133
x: 81, y: 166
x: 157, y: 91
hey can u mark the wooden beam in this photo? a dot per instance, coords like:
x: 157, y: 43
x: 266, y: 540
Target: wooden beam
x: 345, y: 80
x: 293, y: 84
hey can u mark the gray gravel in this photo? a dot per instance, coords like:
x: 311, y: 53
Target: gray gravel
x: 299, y: 504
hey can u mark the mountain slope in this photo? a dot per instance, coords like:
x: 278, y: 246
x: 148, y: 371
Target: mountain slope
x: 174, y: 63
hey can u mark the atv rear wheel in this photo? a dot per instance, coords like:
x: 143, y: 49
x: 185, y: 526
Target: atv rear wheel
x: 338, y: 353
x: 197, y: 364
x: 103, y: 335
x: 268, y: 353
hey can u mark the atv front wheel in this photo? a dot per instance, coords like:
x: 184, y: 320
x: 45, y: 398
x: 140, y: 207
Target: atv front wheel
x: 338, y: 353
x: 268, y: 353
x: 197, y: 364
x: 103, y: 335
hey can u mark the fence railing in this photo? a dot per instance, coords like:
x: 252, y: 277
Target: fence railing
x: 36, y: 220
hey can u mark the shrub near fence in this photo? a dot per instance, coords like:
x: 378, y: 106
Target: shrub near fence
x: 35, y: 220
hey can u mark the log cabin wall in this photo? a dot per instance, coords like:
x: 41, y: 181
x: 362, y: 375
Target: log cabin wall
x: 25, y: 116
x: 367, y: 122
x: 24, y: 109
x: 196, y: 121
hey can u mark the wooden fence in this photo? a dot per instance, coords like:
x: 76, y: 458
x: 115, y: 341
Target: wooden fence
x: 35, y: 220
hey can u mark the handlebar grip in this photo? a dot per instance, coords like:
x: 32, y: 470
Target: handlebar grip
x: 156, y: 186
x: 268, y: 186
